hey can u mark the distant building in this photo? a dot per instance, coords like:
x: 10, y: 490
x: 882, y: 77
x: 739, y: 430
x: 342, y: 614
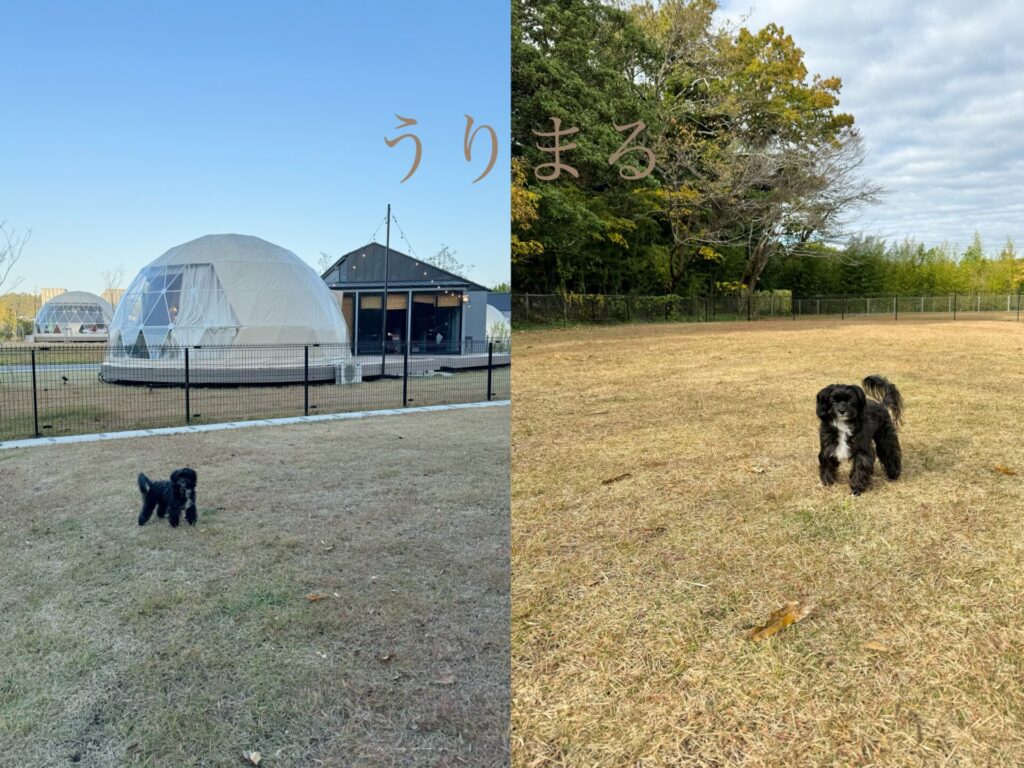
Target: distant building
x: 501, y: 302
x: 48, y: 293
x: 113, y: 296
x: 449, y: 312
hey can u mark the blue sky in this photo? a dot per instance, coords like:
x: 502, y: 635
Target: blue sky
x: 936, y: 91
x: 129, y: 128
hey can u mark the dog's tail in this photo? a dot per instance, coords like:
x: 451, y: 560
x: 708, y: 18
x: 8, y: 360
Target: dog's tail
x: 144, y: 484
x: 885, y: 392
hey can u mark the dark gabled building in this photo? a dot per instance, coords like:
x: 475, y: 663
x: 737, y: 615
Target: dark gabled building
x: 448, y: 315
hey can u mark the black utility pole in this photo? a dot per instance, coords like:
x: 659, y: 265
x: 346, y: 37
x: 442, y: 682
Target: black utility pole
x: 384, y: 307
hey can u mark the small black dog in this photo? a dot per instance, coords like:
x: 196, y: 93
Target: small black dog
x: 169, y: 497
x: 850, y: 422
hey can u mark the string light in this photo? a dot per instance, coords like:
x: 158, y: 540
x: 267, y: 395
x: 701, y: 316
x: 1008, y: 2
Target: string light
x: 373, y: 237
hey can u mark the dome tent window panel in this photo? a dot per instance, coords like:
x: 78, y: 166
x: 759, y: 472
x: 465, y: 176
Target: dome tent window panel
x: 225, y: 293
x: 185, y: 298
x: 163, y: 293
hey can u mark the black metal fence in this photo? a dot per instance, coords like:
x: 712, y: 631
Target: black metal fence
x: 558, y: 309
x: 82, y: 388
x: 954, y: 306
x: 553, y: 309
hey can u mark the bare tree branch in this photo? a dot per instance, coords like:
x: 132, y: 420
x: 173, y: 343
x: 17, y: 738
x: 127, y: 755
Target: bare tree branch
x: 112, y: 278
x: 11, y: 246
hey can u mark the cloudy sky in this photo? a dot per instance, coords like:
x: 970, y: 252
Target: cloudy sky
x: 128, y: 128
x: 937, y: 89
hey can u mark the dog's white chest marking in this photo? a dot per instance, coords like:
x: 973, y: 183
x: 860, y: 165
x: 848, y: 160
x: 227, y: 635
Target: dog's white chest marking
x: 843, y: 448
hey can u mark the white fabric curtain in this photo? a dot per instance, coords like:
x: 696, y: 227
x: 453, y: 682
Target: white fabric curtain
x: 194, y: 311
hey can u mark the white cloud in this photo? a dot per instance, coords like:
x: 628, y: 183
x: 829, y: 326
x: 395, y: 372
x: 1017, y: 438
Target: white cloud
x: 937, y: 92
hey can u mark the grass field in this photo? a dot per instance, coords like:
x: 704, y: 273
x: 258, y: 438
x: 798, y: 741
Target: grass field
x: 153, y: 646
x: 666, y: 500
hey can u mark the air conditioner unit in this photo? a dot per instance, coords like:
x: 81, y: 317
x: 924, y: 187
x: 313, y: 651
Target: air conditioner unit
x: 348, y: 373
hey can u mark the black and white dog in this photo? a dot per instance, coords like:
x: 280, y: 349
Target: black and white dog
x: 854, y: 427
x: 169, y: 497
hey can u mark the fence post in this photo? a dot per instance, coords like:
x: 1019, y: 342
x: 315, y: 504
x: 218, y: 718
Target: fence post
x: 305, y: 380
x: 188, y: 408
x: 748, y: 307
x: 954, y: 305
x: 527, y: 297
x: 490, y: 366
x: 564, y: 311
x: 35, y: 397
x: 845, y: 299
x: 1018, y: 306
x: 896, y: 307
x: 405, y: 372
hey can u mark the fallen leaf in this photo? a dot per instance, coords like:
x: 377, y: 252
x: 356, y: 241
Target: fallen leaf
x: 790, y: 613
x: 1005, y: 470
x: 314, y: 596
x: 758, y: 470
x: 386, y: 657
x: 446, y: 679
x: 253, y: 758
x: 874, y: 645
x: 616, y: 479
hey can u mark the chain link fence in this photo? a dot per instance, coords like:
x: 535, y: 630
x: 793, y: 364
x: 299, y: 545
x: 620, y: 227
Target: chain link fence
x: 81, y: 388
x: 557, y: 309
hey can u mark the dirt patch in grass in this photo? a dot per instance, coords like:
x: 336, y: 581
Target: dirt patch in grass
x: 632, y: 599
x: 159, y: 647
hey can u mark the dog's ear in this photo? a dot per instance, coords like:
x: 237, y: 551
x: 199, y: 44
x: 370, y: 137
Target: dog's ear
x: 861, y: 400
x: 824, y: 398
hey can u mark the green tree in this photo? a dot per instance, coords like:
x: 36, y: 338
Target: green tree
x: 576, y: 60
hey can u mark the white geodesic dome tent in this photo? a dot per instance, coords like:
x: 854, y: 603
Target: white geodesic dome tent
x: 73, y: 316
x: 244, y: 308
x: 497, y: 326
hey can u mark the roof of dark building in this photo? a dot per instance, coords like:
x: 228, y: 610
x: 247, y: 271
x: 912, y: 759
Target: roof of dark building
x: 363, y: 268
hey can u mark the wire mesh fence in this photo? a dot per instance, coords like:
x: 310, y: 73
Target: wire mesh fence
x: 73, y: 389
x: 555, y: 309
x: 954, y: 306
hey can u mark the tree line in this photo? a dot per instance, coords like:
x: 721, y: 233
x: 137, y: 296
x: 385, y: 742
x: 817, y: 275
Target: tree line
x: 870, y: 266
x: 756, y: 169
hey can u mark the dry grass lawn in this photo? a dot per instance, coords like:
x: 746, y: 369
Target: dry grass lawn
x: 632, y: 599
x: 151, y: 646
